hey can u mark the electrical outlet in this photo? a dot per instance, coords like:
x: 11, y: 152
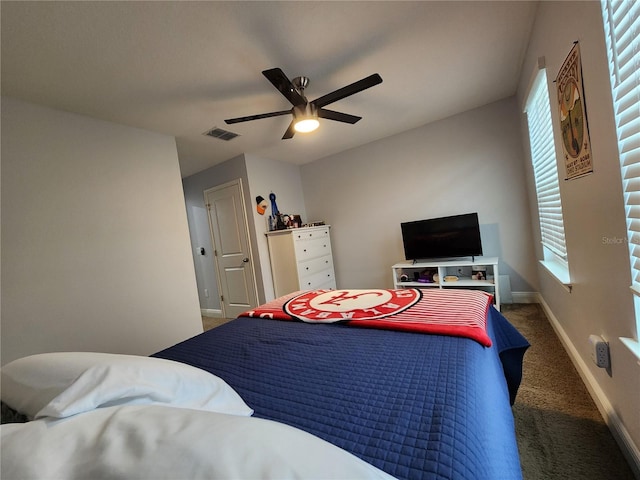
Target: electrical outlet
x: 599, y: 351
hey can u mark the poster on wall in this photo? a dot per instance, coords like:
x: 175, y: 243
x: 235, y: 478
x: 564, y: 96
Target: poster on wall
x: 576, y: 144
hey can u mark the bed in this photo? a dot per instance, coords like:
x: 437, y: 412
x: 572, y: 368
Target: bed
x: 390, y: 391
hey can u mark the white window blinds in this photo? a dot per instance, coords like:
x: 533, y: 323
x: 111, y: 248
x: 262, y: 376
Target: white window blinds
x: 622, y: 34
x: 545, y: 169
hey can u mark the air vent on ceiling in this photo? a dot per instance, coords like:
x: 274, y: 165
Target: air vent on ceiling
x: 216, y: 132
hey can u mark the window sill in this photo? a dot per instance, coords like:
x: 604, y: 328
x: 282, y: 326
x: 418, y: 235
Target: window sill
x: 632, y: 345
x: 559, y: 272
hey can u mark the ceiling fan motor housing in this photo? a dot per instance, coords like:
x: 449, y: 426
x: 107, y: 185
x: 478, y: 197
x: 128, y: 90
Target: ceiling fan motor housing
x: 300, y: 83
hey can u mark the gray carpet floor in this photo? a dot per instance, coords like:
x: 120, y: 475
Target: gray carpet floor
x: 560, y: 432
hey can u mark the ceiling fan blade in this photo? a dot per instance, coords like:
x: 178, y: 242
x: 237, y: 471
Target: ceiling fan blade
x: 343, y: 92
x: 257, y: 117
x: 290, y: 131
x: 337, y: 116
x: 284, y: 86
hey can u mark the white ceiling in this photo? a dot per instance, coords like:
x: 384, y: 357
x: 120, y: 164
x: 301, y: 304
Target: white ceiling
x: 181, y: 68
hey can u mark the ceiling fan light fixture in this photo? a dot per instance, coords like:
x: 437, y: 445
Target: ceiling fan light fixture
x: 306, y: 125
x: 306, y: 118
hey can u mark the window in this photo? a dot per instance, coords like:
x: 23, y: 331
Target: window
x: 622, y: 34
x: 545, y: 171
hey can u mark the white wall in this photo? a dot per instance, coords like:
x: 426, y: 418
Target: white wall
x: 600, y: 302
x: 472, y: 162
x: 283, y: 179
x: 95, y: 246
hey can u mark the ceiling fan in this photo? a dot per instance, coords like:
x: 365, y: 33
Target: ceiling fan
x: 306, y: 113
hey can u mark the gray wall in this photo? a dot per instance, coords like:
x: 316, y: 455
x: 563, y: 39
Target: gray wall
x: 600, y: 302
x: 200, y: 233
x: 472, y: 162
x: 94, y: 237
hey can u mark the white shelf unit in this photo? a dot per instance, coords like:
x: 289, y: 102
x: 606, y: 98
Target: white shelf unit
x: 462, y: 269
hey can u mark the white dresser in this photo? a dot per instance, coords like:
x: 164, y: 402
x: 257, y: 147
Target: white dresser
x: 301, y: 259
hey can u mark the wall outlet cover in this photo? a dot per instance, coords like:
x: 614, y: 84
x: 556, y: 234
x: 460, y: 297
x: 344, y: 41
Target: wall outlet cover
x: 599, y: 351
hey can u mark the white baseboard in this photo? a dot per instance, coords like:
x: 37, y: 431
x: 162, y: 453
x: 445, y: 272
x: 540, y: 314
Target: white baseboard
x: 629, y: 449
x: 525, y: 297
x: 210, y: 312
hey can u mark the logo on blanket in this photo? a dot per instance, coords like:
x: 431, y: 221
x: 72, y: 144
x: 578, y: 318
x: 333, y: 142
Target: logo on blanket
x: 326, y: 306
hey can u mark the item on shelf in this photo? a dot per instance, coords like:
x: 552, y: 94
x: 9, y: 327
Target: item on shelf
x: 451, y: 278
x: 276, y: 222
x: 292, y: 221
x: 479, y: 273
x: 428, y: 275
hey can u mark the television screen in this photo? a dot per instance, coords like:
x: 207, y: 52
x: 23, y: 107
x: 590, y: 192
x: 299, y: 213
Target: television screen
x: 456, y: 236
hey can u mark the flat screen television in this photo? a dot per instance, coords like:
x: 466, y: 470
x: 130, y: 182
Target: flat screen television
x: 444, y: 237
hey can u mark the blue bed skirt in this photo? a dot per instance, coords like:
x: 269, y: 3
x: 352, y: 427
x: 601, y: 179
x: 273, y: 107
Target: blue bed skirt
x: 416, y: 406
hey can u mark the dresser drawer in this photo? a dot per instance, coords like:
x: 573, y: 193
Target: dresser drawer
x: 315, y: 265
x: 329, y: 285
x: 316, y: 280
x: 302, y: 236
x: 312, y: 248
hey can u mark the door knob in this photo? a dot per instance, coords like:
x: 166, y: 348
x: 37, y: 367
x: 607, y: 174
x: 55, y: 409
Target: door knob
x: 245, y: 259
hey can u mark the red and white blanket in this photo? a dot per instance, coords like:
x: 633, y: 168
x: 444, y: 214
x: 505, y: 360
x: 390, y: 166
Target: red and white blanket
x: 460, y: 313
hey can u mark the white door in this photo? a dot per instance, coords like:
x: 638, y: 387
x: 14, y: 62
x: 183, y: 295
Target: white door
x: 232, y: 253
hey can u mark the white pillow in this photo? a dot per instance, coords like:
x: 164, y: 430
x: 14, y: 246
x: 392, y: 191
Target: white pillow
x: 67, y: 383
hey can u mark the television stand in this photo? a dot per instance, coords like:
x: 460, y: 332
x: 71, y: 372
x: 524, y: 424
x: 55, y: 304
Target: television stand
x: 479, y: 273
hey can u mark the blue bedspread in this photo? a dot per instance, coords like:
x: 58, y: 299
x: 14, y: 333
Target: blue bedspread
x: 414, y: 405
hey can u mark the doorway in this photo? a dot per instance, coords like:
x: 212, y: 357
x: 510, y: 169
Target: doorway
x: 233, y: 258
